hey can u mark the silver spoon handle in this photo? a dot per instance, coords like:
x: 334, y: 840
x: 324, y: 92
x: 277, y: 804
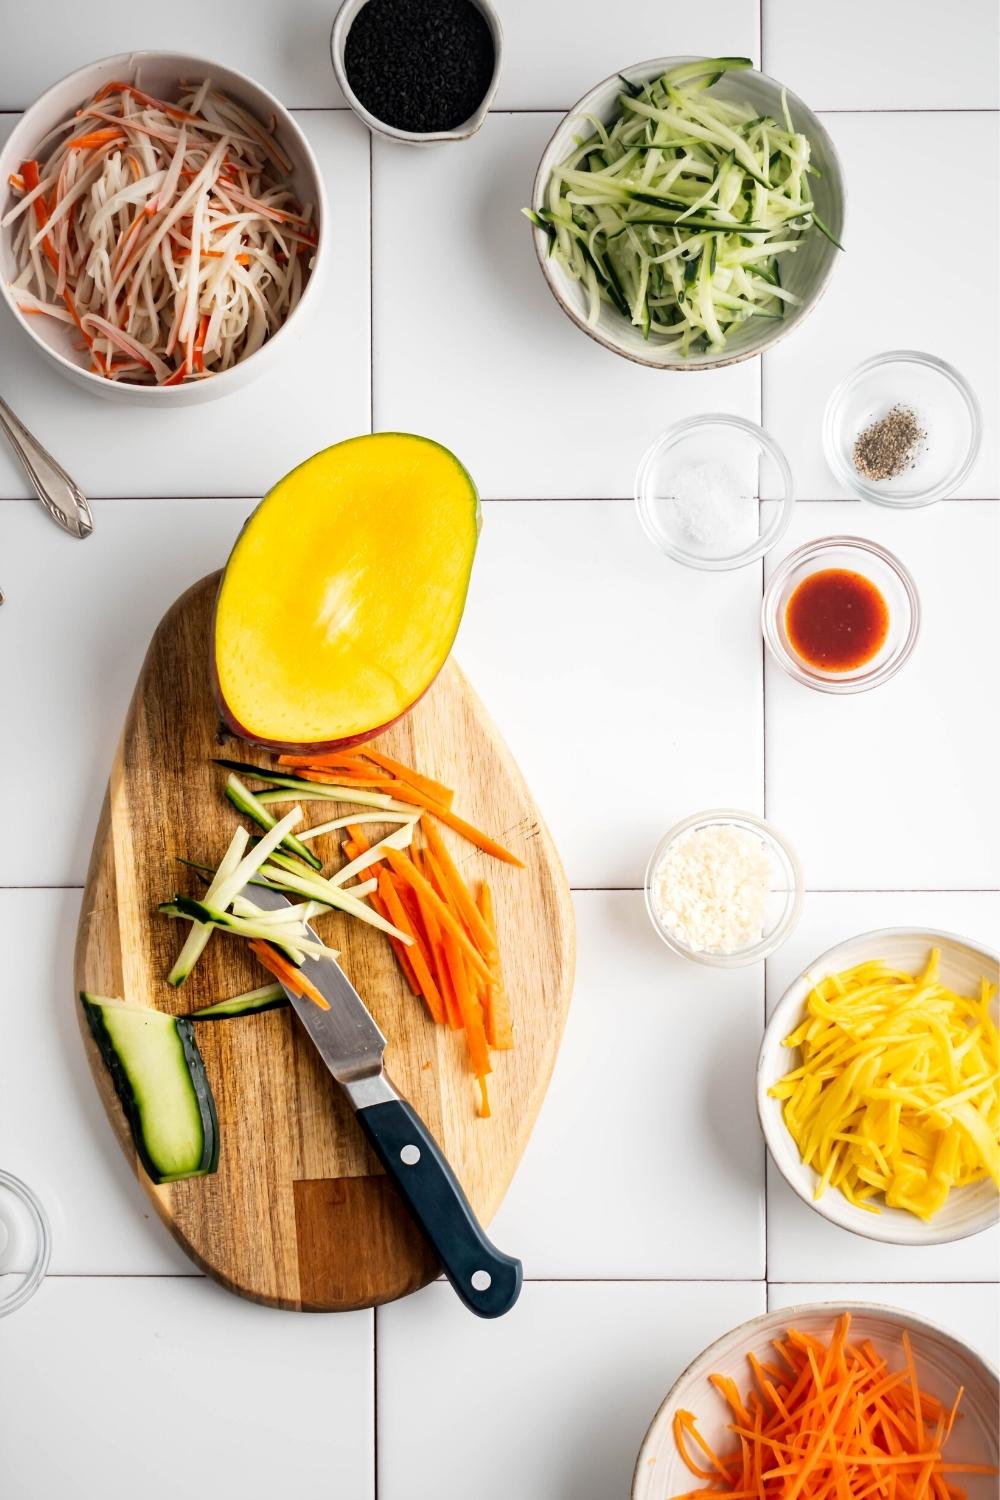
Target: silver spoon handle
x: 61, y: 496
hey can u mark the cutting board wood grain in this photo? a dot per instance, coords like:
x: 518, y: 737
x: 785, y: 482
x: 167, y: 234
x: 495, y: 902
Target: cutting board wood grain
x: 298, y: 1214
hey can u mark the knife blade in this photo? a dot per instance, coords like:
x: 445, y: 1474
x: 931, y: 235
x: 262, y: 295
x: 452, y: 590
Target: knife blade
x: 352, y: 1046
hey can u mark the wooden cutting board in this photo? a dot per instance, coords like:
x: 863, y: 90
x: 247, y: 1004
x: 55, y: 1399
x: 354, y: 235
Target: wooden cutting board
x: 298, y: 1214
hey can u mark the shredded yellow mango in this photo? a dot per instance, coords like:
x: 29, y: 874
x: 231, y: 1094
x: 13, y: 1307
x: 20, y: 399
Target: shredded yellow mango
x: 897, y: 1093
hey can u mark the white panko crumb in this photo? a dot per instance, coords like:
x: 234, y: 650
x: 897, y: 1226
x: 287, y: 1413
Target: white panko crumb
x: 710, y: 889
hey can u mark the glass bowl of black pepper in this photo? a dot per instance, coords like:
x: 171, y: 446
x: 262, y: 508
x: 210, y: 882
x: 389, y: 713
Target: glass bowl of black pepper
x: 418, y: 71
x: 902, y: 430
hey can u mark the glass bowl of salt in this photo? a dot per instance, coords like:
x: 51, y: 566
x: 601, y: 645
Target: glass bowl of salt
x: 714, y: 492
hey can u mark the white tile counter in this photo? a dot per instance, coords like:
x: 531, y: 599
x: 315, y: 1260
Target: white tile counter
x: 631, y: 691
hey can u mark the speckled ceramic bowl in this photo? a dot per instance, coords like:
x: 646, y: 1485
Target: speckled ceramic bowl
x: 963, y: 963
x: 943, y: 1364
x: 806, y: 273
x: 160, y: 73
x: 338, y: 42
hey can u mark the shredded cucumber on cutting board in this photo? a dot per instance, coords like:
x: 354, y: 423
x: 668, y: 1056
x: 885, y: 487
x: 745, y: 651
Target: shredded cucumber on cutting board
x: 679, y: 212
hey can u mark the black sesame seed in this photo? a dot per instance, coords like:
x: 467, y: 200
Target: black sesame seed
x: 420, y: 65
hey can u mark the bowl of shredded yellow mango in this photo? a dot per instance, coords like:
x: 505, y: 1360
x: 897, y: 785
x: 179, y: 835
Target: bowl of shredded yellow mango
x: 878, y: 1086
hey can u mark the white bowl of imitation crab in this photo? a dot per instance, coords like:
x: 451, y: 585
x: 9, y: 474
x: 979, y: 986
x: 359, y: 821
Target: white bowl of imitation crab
x: 159, y: 74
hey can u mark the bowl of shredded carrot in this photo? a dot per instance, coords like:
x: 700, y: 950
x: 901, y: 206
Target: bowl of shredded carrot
x: 827, y: 1401
x: 878, y: 1086
x: 161, y: 223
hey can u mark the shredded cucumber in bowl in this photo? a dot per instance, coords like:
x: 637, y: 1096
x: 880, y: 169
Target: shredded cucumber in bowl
x: 679, y: 212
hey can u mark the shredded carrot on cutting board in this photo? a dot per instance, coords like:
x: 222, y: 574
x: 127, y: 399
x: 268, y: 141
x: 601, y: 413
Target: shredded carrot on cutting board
x: 287, y: 974
x: 833, y: 1422
x: 453, y: 961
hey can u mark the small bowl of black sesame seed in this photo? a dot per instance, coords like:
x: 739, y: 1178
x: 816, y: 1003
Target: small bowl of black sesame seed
x: 902, y: 430
x: 418, y: 71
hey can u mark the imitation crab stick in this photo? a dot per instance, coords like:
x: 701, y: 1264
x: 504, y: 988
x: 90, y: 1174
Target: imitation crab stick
x: 833, y: 1422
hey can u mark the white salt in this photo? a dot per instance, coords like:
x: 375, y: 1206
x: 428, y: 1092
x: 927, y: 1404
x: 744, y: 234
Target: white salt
x: 711, y: 507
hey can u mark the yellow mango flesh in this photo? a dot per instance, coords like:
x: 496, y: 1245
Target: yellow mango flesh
x: 342, y: 596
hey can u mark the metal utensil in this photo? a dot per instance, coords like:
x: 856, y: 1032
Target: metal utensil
x: 352, y: 1047
x: 60, y: 495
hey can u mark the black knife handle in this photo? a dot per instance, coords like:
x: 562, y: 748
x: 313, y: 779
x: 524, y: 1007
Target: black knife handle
x: 487, y: 1281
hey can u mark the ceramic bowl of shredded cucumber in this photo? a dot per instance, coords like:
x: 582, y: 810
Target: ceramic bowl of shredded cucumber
x: 688, y: 212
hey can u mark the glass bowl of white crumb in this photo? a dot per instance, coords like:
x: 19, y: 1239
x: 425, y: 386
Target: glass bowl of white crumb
x: 714, y: 492
x: 723, y: 888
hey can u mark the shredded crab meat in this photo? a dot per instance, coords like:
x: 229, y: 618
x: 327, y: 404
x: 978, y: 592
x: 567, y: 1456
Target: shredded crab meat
x: 167, y: 234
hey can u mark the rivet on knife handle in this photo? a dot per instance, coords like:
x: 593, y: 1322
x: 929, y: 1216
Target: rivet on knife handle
x: 60, y: 495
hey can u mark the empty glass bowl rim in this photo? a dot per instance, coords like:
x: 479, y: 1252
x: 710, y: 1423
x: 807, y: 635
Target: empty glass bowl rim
x: 845, y: 682
x: 33, y: 1277
x: 737, y: 818
x: 845, y: 471
x: 666, y: 440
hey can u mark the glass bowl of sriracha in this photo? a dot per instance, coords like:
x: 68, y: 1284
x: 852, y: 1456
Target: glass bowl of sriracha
x: 841, y: 614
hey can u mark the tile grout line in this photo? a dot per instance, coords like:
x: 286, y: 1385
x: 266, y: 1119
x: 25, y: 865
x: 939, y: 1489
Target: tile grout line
x: 561, y: 1281
x: 375, y: 1403
x: 562, y: 109
x: 763, y: 728
x: 488, y: 500
x: 812, y: 890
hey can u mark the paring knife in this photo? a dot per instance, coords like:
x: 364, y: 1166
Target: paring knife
x: 352, y: 1047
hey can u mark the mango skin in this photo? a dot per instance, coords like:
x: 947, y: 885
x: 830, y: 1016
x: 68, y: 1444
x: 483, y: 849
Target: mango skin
x: 379, y: 518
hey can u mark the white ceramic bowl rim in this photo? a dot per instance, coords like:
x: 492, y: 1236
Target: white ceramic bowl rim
x: 833, y: 1206
x: 790, y: 1315
x: 847, y: 682
x: 766, y: 539
x: 342, y: 24
x: 846, y: 472
x: 641, y: 72
x: 769, y: 835
x: 127, y: 65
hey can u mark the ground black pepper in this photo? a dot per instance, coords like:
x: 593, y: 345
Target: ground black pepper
x: 420, y: 65
x: 889, y: 446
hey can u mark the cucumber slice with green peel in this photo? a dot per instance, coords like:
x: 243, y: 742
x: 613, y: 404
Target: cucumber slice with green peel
x: 250, y: 1003
x: 244, y: 801
x: 291, y: 943
x: 160, y: 1080
x: 284, y: 874
x: 233, y: 873
x: 197, y: 938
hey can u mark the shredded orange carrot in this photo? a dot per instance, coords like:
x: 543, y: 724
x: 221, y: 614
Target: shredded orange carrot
x: 467, y: 830
x: 453, y: 960
x: 407, y: 871
x: 427, y: 988
x: 426, y: 784
x: 472, y: 1018
x: 496, y: 1007
x: 460, y: 894
x: 837, y: 1424
x: 285, y: 971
